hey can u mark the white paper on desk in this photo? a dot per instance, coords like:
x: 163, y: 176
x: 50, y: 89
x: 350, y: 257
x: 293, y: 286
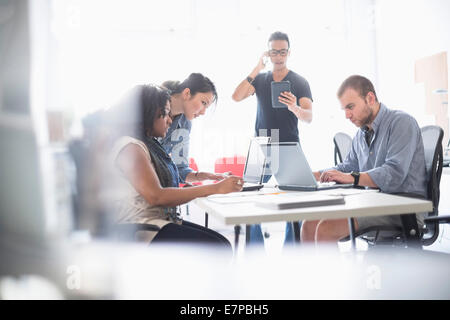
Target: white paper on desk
x: 243, y: 197
x: 292, y: 202
x: 347, y: 192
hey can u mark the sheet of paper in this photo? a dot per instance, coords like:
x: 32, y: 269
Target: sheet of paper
x: 240, y: 197
x: 347, y: 192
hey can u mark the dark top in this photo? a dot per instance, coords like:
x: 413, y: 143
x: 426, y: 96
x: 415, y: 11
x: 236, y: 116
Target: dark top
x: 282, y: 119
x: 165, y: 168
x: 176, y: 144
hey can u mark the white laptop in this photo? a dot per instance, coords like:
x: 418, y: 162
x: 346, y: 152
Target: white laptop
x: 254, y: 166
x: 291, y: 169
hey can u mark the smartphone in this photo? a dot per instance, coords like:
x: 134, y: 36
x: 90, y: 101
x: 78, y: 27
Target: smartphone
x: 277, y: 89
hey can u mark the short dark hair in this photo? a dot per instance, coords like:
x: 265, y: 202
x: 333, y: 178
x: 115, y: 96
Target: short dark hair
x: 196, y: 82
x: 279, y: 36
x: 358, y: 83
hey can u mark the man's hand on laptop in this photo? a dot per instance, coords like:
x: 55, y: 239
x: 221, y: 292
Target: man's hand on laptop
x: 337, y: 176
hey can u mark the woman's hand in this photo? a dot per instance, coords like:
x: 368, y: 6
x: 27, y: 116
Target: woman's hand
x: 201, y: 176
x: 229, y: 184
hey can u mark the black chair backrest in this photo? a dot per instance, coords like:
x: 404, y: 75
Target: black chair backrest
x: 342, y: 146
x: 432, y: 142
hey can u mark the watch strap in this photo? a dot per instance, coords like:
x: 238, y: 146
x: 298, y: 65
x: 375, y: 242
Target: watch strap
x: 355, y: 176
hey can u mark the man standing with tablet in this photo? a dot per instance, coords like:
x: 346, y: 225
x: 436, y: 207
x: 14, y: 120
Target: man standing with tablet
x: 280, y: 123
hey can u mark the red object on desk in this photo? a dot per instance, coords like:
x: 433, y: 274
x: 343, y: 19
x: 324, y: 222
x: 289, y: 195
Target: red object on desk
x: 235, y: 165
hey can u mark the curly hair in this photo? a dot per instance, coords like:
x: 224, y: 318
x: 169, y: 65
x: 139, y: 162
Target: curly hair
x: 135, y: 114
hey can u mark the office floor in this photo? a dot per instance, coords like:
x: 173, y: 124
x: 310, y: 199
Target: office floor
x: 273, y: 245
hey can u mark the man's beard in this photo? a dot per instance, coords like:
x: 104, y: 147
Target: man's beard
x: 368, y: 120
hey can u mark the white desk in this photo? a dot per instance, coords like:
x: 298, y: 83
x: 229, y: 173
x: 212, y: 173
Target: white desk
x: 242, y: 209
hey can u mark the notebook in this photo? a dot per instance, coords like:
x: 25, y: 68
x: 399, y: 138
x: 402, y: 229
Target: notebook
x: 281, y: 202
x: 291, y: 169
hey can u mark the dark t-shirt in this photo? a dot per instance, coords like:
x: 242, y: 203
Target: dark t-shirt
x: 267, y: 117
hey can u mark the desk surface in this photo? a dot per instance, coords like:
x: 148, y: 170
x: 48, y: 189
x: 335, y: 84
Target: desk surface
x: 242, y: 208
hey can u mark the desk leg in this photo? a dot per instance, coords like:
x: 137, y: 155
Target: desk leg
x: 296, y: 227
x: 206, y: 219
x: 247, y: 234
x: 237, y: 231
x: 351, y: 229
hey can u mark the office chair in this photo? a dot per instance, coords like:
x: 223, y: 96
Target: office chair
x: 342, y: 146
x: 127, y: 231
x: 438, y: 219
x: 410, y: 233
x: 443, y: 218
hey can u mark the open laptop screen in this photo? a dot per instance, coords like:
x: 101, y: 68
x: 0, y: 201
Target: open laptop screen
x: 288, y: 163
x: 254, y: 166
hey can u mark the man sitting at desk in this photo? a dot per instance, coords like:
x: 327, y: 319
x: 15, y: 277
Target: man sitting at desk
x: 387, y: 153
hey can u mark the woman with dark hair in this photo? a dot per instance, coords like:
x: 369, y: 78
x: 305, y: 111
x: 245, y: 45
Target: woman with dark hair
x: 146, y: 176
x: 188, y: 100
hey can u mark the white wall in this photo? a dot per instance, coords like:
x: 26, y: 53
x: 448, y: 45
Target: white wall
x: 407, y: 31
x: 105, y: 47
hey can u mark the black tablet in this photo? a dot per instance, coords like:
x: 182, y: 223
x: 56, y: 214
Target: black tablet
x: 277, y: 88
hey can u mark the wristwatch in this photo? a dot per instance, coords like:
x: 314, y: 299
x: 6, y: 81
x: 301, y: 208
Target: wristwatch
x: 250, y: 79
x: 355, y: 175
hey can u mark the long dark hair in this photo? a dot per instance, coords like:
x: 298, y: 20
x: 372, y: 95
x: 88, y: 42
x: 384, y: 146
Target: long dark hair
x: 196, y: 82
x: 135, y: 114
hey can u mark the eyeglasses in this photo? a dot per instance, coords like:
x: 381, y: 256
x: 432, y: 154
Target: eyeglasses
x: 282, y: 52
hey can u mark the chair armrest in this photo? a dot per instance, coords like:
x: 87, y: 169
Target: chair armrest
x: 364, y: 231
x: 126, y: 231
x: 439, y: 219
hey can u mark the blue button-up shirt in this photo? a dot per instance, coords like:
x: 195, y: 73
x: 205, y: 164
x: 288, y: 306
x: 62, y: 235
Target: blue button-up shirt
x: 395, y: 159
x: 176, y: 144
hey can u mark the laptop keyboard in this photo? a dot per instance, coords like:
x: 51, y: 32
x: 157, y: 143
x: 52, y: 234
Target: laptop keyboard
x: 326, y: 184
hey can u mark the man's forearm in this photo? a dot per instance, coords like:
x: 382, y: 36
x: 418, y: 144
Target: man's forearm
x: 243, y: 89
x: 254, y: 72
x: 366, y: 181
x: 303, y: 114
